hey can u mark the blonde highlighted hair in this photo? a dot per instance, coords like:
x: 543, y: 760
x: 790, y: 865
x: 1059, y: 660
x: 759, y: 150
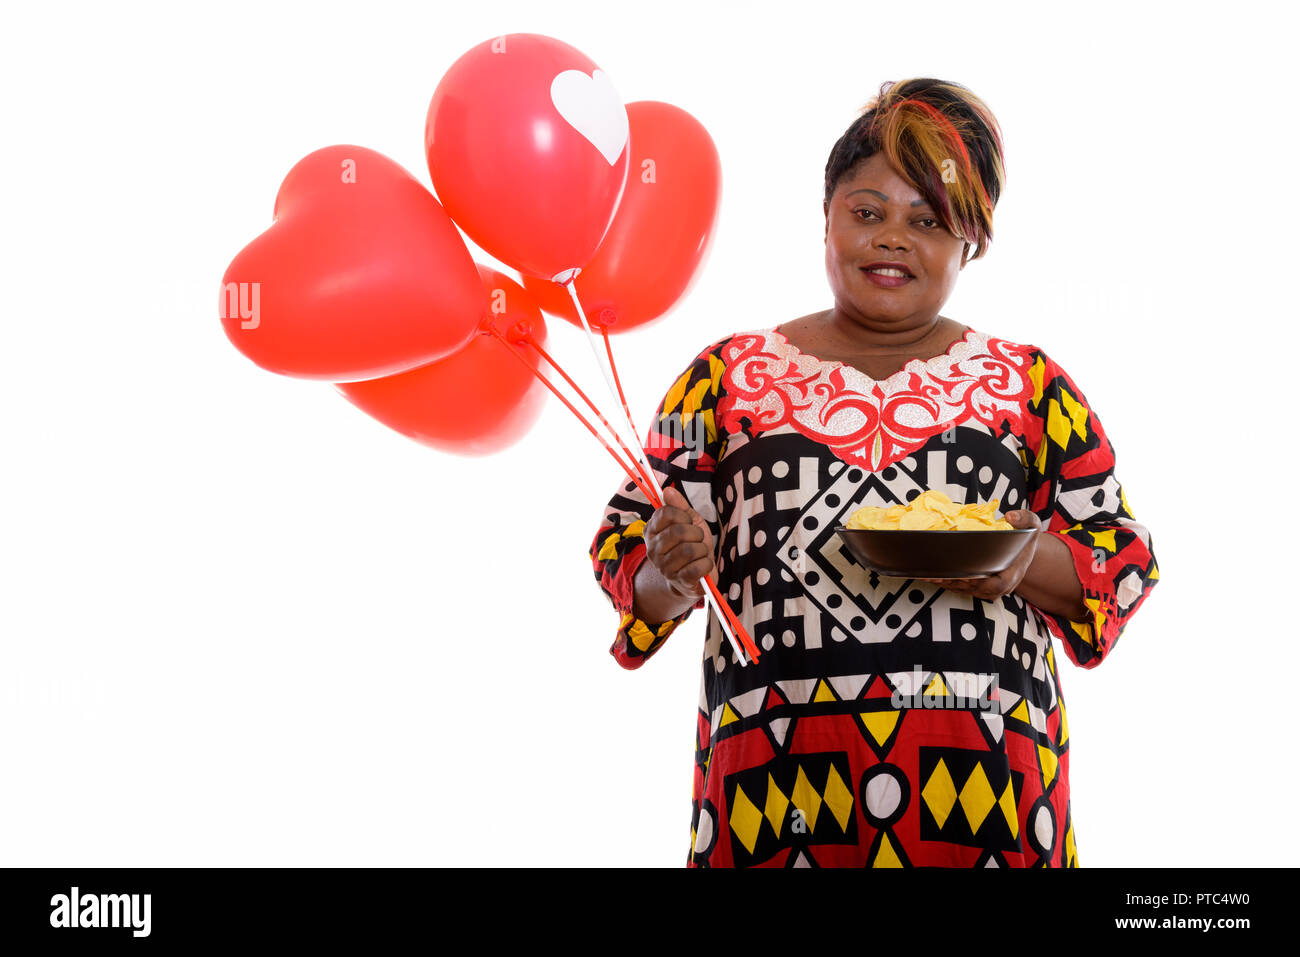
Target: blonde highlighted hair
x: 943, y: 140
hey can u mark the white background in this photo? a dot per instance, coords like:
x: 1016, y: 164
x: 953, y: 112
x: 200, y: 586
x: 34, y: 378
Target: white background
x: 245, y: 624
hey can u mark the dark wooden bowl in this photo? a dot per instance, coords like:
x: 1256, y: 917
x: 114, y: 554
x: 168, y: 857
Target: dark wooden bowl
x: 935, y: 554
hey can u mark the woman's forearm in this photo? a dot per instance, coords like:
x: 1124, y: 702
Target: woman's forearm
x: 1051, y: 583
x: 653, y: 601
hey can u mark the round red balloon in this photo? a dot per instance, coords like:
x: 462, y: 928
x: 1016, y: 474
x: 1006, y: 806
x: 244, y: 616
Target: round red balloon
x: 527, y: 146
x: 477, y: 401
x: 361, y: 275
x: 662, y: 232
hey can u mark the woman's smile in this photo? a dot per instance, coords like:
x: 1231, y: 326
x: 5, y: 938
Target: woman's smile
x: 888, y: 277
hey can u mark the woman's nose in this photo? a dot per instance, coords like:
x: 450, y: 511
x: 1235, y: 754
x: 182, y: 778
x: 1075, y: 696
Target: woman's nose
x: 890, y: 237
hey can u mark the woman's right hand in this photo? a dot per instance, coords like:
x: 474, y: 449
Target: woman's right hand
x: 680, y: 545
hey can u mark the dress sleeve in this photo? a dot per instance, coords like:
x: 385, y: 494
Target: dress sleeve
x: 1070, y: 466
x: 683, y: 446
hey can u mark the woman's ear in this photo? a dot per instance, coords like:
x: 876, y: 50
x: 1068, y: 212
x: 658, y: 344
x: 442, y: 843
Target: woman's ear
x: 826, y: 213
x: 965, y: 249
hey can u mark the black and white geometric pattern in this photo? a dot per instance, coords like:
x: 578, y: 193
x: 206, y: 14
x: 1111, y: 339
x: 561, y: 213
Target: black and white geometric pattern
x: 781, y: 498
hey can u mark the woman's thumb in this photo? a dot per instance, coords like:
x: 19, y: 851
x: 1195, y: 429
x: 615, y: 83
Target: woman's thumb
x: 675, y: 498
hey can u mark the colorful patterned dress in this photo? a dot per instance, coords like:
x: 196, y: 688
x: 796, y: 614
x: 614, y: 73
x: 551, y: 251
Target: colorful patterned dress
x: 889, y: 722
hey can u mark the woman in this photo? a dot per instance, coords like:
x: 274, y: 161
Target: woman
x: 888, y: 722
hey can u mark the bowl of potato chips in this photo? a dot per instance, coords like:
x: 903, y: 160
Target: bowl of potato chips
x: 933, y: 537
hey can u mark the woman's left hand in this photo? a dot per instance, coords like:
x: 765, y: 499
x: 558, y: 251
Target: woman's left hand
x: 992, y: 587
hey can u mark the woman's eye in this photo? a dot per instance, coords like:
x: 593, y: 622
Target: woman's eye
x: 929, y: 222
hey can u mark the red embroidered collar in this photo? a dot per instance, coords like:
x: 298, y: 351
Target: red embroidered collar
x: 866, y: 421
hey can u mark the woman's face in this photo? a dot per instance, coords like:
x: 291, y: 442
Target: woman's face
x: 875, y: 216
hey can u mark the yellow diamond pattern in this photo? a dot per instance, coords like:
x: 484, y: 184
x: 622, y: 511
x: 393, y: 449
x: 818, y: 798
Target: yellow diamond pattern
x: 1058, y: 425
x: 939, y: 793
x: 693, y: 399
x: 675, y: 394
x: 709, y: 426
x: 745, y: 819
x: 777, y: 802
x: 1048, y: 758
x: 805, y: 798
x: 977, y: 798
x: 1040, y: 463
x: 1036, y: 376
x: 1078, y: 414
x: 716, y: 368
x: 1008, y: 805
x: 838, y: 798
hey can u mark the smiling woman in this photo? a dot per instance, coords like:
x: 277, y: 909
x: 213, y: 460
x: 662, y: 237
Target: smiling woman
x: 888, y: 722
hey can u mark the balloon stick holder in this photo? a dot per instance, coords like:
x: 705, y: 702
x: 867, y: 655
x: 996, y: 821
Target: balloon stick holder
x: 636, y: 464
x: 731, y: 625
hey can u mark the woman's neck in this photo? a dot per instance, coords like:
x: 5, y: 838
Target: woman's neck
x: 852, y: 336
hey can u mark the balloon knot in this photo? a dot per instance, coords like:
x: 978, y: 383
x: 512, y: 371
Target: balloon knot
x: 520, y: 332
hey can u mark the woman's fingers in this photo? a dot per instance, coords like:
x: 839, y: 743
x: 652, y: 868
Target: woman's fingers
x: 1024, y: 518
x: 697, y: 570
x: 668, y: 515
x: 688, y: 562
x: 679, y: 543
x: 683, y: 553
x: 679, y: 532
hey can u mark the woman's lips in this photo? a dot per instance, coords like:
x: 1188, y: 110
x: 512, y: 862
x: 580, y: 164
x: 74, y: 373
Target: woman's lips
x: 887, y: 281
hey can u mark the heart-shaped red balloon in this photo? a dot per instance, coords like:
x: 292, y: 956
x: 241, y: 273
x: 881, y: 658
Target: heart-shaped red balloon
x: 477, y: 401
x: 526, y: 140
x: 361, y: 275
x: 662, y: 231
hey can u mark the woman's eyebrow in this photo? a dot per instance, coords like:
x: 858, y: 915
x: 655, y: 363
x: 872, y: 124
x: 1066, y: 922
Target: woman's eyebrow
x: 915, y: 202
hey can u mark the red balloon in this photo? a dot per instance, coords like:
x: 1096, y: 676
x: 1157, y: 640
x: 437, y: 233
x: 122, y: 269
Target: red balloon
x: 361, y: 275
x: 662, y: 232
x: 479, y: 400
x: 527, y: 146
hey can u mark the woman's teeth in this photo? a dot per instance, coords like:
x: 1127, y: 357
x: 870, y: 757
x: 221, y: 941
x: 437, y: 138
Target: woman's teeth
x: 889, y: 272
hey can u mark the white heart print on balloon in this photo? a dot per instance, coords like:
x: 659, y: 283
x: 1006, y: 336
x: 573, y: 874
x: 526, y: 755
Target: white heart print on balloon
x: 592, y: 106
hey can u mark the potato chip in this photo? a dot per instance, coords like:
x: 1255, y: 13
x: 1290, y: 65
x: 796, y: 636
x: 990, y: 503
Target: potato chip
x: 931, y: 511
x: 921, y: 520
